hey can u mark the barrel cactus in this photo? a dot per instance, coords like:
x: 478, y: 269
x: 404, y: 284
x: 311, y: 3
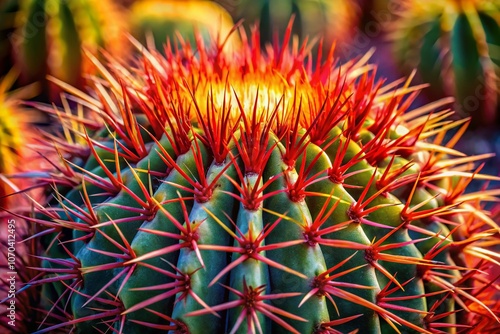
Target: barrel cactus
x: 261, y: 192
x: 50, y: 37
x: 455, y: 45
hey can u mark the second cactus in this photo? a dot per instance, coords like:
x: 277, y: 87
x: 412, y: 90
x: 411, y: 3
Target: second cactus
x: 456, y: 46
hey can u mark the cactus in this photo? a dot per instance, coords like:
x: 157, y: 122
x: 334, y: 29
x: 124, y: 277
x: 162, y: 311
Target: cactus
x: 51, y: 35
x: 332, y: 20
x: 255, y: 192
x: 167, y: 19
x: 455, y: 45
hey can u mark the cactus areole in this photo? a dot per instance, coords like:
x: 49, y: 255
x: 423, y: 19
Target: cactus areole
x: 265, y: 190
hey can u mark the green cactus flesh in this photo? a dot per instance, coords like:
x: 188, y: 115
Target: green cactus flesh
x: 248, y: 193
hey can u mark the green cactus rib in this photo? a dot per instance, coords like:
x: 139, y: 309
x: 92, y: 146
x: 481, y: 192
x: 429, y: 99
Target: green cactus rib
x: 292, y: 267
x: 204, y: 209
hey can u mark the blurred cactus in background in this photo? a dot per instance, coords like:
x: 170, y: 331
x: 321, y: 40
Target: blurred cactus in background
x: 332, y: 20
x: 455, y: 45
x: 50, y: 34
x: 170, y: 20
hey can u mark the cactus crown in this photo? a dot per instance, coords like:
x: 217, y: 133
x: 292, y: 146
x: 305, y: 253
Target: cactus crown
x: 261, y: 191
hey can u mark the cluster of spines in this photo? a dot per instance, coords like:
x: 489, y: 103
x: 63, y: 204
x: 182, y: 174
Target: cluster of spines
x: 365, y: 158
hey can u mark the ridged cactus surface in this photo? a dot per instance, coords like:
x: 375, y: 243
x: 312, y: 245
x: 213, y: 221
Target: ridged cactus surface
x: 207, y: 192
x: 455, y: 45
